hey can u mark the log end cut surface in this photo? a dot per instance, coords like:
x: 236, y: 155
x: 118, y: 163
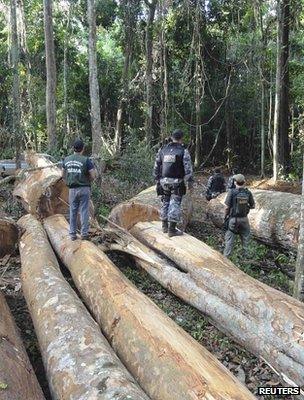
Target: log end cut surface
x: 9, y: 235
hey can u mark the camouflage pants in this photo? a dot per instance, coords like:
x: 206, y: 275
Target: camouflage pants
x: 237, y: 226
x: 171, y: 209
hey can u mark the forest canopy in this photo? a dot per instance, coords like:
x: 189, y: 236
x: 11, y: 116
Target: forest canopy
x: 121, y: 73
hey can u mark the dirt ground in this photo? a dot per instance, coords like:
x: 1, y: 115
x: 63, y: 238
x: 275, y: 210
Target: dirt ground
x: 270, y: 266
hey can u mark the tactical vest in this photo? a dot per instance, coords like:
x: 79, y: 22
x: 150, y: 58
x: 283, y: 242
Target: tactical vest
x: 172, y: 161
x: 240, y: 203
x: 76, y: 172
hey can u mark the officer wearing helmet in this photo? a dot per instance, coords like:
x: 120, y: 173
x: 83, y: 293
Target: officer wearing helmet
x: 172, y: 171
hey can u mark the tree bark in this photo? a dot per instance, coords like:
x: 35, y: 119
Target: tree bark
x: 9, y: 234
x: 147, y: 341
x: 298, y: 291
x: 16, y: 107
x: 145, y: 207
x: 274, y: 221
x: 281, y: 148
x: 93, y: 81
x: 284, y: 146
x: 129, y: 22
x: 68, y: 336
x: 255, y: 315
x: 50, y: 74
x: 149, y: 69
x: 17, y: 376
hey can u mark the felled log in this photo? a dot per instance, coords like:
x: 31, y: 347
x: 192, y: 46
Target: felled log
x: 265, y: 321
x: 274, y: 221
x: 145, y: 207
x: 165, y: 360
x: 17, y: 378
x: 9, y: 234
x: 78, y: 359
x: 42, y: 192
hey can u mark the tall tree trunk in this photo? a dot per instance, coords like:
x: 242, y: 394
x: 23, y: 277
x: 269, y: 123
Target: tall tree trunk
x: 262, y: 128
x: 28, y: 106
x: 163, y: 74
x: 298, y: 291
x: 284, y: 146
x: 149, y: 69
x: 66, y: 124
x: 199, y: 83
x: 281, y: 150
x: 93, y: 81
x: 129, y: 22
x: 50, y: 74
x: 16, y: 82
x: 277, y: 105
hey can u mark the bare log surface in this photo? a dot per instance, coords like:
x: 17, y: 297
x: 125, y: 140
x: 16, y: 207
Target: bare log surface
x: 41, y: 191
x: 145, y: 207
x: 80, y: 363
x: 164, y: 359
x: 265, y: 321
x: 274, y: 221
x: 17, y: 378
x: 9, y: 234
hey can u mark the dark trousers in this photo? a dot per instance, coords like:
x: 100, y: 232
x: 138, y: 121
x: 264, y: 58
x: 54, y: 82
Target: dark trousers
x: 237, y: 226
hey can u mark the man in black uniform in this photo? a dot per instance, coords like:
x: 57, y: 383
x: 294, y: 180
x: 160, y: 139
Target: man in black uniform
x: 172, y: 168
x: 78, y: 172
x: 215, y: 185
x: 239, y: 202
x: 231, y: 180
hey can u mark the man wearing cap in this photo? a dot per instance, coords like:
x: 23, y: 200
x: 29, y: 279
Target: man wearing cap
x: 78, y: 173
x: 239, y: 202
x: 172, y: 168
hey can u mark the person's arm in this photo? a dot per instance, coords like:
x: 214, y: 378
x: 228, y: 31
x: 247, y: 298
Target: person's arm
x: 91, y: 170
x: 251, y: 201
x: 188, y: 167
x: 63, y: 172
x: 157, y: 166
x: 209, y: 185
x: 228, y: 203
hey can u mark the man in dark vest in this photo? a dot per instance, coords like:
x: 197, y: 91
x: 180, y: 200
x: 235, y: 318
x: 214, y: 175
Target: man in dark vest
x: 78, y: 174
x: 172, y: 168
x: 215, y: 185
x: 239, y: 202
x: 231, y: 180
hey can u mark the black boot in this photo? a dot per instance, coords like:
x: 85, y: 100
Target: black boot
x: 173, y: 231
x: 165, y: 226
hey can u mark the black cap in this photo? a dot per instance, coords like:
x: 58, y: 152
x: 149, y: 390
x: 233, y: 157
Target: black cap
x: 178, y: 134
x: 78, y: 145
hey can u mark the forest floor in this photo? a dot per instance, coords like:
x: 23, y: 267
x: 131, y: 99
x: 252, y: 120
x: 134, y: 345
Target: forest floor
x: 271, y: 266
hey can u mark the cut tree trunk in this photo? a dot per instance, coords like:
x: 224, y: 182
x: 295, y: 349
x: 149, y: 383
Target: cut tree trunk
x: 68, y: 336
x: 166, y: 361
x: 9, y: 234
x: 41, y: 192
x: 17, y: 378
x: 265, y: 321
x: 274, y: 221
x: 145, y: 207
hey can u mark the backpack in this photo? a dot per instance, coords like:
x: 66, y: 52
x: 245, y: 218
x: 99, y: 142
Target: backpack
x: 241, y: 207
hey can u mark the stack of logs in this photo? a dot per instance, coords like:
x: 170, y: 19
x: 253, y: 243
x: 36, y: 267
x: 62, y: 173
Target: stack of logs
x: 141, y: 353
